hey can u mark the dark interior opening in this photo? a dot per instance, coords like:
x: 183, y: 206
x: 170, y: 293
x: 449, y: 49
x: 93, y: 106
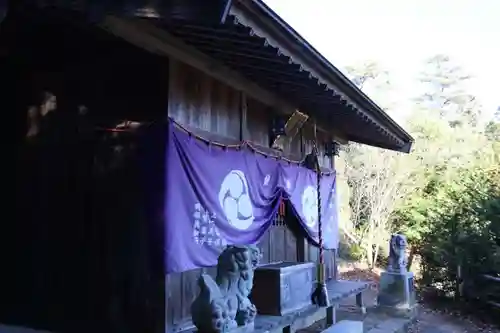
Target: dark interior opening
x: 82, y: 248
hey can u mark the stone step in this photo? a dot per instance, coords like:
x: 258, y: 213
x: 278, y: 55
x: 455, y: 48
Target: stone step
x: 346, y: 326
x: 379, y: 320
x: 393, y: 325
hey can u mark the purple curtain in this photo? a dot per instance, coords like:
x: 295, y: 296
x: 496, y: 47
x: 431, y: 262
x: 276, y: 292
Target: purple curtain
x: 225, y: 195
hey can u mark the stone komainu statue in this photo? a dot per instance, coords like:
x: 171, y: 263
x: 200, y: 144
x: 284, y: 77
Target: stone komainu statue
x: 397, y: 254
x: 223, y: 303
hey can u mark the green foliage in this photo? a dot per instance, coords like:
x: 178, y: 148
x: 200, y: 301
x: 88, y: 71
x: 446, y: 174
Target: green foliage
x: 452, y: 218
x: 355, y: 252
x: 445, y: 195
x: 350, y: 251
x: 462, y: 227
x: 492, y: 131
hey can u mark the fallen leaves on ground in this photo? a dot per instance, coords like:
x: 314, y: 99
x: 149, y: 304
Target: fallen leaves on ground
x: 359, y: 274
x: 442, y: 321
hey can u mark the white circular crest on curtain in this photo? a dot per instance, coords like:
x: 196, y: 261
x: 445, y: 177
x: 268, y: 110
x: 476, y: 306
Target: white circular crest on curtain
x: 235, y: 200
x: 310, y: 206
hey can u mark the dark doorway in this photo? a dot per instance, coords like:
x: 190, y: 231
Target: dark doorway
x: 80, y: 253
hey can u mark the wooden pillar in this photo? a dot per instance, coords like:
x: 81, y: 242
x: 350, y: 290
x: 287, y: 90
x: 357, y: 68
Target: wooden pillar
x: 243, y: 117
x: 171, y: 282
x: 302, y: 244
x: 173, y: 68
x: 335, y: 252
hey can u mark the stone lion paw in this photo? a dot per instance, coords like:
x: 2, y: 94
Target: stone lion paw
x: 247, y: 315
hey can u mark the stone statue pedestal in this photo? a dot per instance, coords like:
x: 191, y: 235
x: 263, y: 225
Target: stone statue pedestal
x: 397, y: 293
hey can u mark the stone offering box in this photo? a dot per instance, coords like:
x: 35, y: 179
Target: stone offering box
x: 283, y: 287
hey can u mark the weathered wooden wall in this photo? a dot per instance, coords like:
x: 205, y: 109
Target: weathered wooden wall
x: 210, y: 107
x: 119, y: 281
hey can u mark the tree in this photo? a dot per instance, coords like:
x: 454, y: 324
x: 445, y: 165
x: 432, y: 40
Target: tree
x: 444, y: 120
x: 377, y: 178
x: 445, y: 86
x: 463, y: 230
x: 492, y: 128
x: 369, y: 73
x: 379, y: 182
x: 435, y: 190
x: 448, y: 216
x: 375, y: 81
x: 492, y: 131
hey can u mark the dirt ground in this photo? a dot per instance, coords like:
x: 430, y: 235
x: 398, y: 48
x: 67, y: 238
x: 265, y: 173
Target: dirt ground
x: 432, y: 321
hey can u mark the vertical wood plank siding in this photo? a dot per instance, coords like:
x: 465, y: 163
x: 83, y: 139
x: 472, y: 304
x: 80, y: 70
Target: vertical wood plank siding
x: 201, y: 102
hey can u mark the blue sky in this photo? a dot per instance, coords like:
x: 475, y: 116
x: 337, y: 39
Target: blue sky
x: 400, y: 35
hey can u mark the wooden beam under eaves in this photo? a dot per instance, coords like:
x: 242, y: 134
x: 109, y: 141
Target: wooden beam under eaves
x: 146, y: 35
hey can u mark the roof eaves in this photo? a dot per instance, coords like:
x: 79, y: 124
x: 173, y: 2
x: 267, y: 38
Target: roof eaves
x: 328, y: 70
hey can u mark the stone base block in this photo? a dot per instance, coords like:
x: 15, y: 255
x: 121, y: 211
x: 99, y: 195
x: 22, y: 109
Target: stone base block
x: 397, y: 293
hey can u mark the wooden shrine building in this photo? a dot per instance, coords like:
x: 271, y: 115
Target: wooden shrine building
x: 226, y: 70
